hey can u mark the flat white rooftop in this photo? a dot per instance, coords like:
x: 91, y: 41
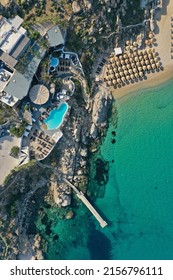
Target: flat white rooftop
x: 5, y: 27
x: 118, y: 51
x: 10, y: 42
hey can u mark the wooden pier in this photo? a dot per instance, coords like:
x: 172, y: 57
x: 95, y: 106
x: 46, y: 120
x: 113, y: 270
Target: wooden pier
x: 81, y: 196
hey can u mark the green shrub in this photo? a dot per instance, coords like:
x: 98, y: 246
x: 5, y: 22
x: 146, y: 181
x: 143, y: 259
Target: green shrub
x: 15, y: 151
x: 18, y: 131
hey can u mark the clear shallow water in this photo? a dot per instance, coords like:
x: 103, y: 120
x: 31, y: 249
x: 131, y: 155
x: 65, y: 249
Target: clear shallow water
x: 139, y: 194
x: 56, y: 116
x: 138, y: 201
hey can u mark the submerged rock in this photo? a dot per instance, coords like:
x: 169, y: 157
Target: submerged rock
x: 69, y: 215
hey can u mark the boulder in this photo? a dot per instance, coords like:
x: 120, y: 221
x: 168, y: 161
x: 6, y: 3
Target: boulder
x: 69, y: 215
x: 94, y: 131
x: 76, y: 7
x: 88, y: 5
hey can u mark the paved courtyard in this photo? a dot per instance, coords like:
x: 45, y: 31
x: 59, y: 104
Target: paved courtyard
x: 7, y: 163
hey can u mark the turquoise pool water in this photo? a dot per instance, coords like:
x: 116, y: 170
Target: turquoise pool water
x: 138, y: 200
x: 56, y: 117
x: 54, y: 62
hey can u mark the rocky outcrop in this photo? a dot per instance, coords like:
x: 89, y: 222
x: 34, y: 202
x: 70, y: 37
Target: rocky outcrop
x: 76, y: 7
x: 88, y: 5
x: 100, y: 111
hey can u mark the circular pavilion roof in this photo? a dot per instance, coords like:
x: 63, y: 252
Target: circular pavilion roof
x: 39, y: 94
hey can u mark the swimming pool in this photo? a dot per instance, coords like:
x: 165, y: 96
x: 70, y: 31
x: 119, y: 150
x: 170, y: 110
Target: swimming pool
x: 56, y: 116
x: 54, y: 62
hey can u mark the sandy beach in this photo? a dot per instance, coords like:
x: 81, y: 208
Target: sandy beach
x: 7, y: 163
x: 163, y: 46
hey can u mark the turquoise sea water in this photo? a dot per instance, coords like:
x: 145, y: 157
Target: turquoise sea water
x: 138, y: 200
x: 56, y: 116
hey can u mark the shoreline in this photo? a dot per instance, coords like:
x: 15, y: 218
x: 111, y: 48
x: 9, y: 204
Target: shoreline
x: 162, y: 34
x: 154, y: 80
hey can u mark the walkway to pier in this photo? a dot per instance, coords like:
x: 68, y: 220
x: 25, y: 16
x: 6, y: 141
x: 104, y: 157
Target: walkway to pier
x: 81, y: 196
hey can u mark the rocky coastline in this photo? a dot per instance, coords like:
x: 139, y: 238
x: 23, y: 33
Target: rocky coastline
x: 82, y: 134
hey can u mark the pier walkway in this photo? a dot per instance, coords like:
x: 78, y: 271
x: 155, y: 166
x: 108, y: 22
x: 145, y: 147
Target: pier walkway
x: 81, y: 196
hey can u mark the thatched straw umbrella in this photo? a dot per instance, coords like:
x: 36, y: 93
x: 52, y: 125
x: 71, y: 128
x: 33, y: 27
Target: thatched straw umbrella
x: 144, y: 67
x: 135, y: 53
x: 120, y: 69
x: 118, y: 62
x: 123, y: 79
x: 145, y: 56
x: 115, y: 70
x: 140, y: 52
x: 112, y: 60
x: 153, y: 66
x: 125, y: 56
x: 138, y: 63
x: 127, y: 48
x: 131, y: 59
x: 127, y: 43
x: 142, y: 62
x: 122, y: 61
x: 111, y: 71
x: 130, y: 71
x: 132, y: 76
x: 150, y: 35
x: 135, y: 70
x: 124, y: 67
x: 128, y: 77
x: 117, y: 75
x: 146, y: 42
x: 150, y: 55
x: 112, y: 77
x: 139, y: 68
x: 128, y: 66
x: 136, y: 58
x: 140, y: 57
x: 120, y: 57
x: 147, y: 61
x: 158, y: 64
x: 151, y: 61
x: 109, y: 83
x: 150, y: 51
x: 136, y: 75
x: 126, y: 61
x: 151, y: 41
x: 149, y: 67
x: 125, y: 72
x: 118, y: 81
x: 121, y: 74
x: 114, y: 82
x: 141, y: 74
x: 135, y: 44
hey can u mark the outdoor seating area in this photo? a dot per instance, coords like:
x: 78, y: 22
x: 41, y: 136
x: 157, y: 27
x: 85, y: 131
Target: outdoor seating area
x: 63, y: 65
x: 131, y: 67
x: 40, y: 145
